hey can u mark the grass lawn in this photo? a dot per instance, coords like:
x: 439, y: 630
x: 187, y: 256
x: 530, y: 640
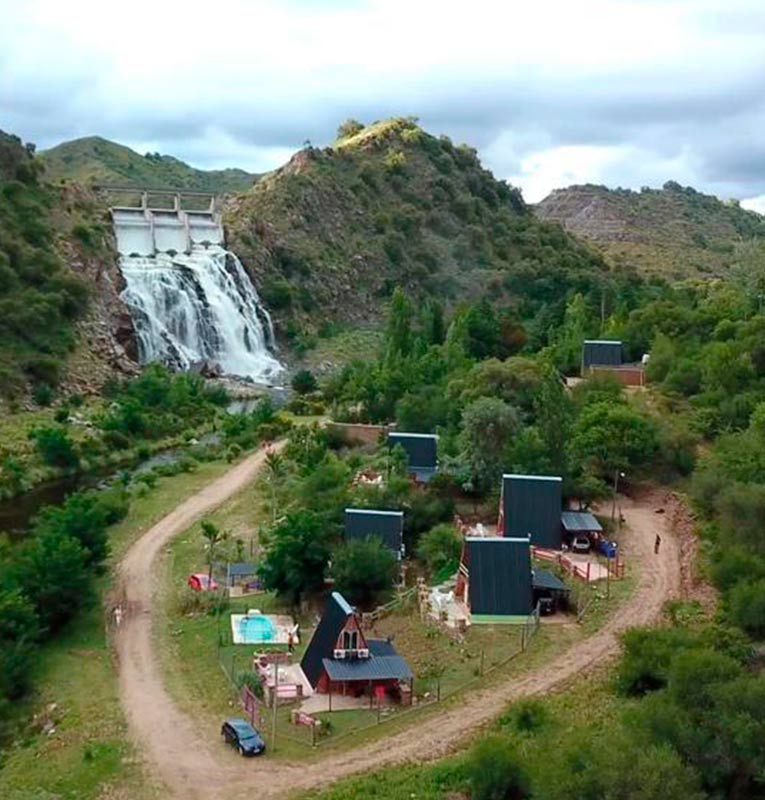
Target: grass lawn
x: 88, y: 755
x: 588, y: 706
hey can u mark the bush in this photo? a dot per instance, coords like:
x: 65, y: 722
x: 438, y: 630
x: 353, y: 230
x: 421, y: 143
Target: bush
x: 440, y: 547
x: 19, y: 630
x: 42, y: 394
x: 304, y: 382
x: 55, y: 447
x: 494, y: 772
x: 747, y: 607
x: 277, y: 294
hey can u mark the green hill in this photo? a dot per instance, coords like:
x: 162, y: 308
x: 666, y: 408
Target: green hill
x: 329, y: 235
x: 674, y: 231
x: 40, y: 297
x: 94, y: 160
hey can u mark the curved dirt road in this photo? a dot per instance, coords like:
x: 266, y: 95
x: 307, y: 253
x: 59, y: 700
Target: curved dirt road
x: 191, y: 762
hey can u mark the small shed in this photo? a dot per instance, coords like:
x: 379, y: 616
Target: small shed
x: 549, y: 590
x: 601, y: 353
x: 421, y: 453
x: 530, y: 505
x: 340, y: 659
x: 494, y: 579
x: 388, y: 526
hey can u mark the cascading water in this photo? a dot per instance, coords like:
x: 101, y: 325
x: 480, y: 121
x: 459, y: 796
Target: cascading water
x: 199, y: 307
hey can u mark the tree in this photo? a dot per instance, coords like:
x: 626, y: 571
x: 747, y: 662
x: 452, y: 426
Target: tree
x: 440, y: 547
x: 349, y: 128
x: 297, y: 553
x: 748, y: 271
x: 304, y: 382
x: 494, y: 771
x: 213, y: 536
x: 434, y: 325
x: 19, y: 629
x: 608, y: 438
x: 51, y: 570
x: 482, y: 330
x: 571, y: 335
x: 747, y: 607
x: 55, y: 447
x: 399, y: 331
x: 85, y: 516
x: 364, y: 569
x: 488, y: 426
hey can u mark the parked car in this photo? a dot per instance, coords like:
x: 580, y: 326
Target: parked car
x: 240, y: 734
x: 580, y: 544
x: 201, y: 582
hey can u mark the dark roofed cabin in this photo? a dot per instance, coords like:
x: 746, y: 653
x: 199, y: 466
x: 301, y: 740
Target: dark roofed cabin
x: 601, y: 353
x: 495, y: 579
x: 606, y: 357
x: 388, y: 526
x: 339, y: 659
x: 421, y: 453
x: 530, y: 505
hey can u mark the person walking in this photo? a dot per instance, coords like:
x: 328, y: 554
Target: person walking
x: 657, y: 544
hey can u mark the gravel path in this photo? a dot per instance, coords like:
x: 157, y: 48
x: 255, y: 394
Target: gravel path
x: 192, y: 763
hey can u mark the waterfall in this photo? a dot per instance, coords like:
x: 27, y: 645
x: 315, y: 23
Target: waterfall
x: 199, y: 307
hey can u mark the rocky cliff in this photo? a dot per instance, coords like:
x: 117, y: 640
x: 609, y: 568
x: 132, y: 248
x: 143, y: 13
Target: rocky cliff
x: 674, y: 231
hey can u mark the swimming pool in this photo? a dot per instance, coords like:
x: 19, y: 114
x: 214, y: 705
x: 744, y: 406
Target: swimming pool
x: 256, y: 629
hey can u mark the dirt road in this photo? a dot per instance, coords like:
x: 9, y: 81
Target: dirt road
x: 192, y: 764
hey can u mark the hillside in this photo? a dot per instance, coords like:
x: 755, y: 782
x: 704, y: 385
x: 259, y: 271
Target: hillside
x: 329, y: 235
x: 94, y: 160
x: 55, y: 247
x: 674, y: 231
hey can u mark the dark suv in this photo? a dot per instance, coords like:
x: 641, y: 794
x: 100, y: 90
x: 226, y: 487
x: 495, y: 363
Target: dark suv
x: 239, y: 733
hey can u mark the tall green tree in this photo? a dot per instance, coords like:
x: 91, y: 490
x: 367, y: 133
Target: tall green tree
x: 399, y: 336
x: 297, y: 554
x: 488, y: 426
x: 213, y: 537
x: 364, y: 570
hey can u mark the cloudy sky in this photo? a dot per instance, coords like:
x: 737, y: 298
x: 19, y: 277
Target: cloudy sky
x: 551, y: 92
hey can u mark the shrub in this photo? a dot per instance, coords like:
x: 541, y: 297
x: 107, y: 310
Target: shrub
x: 277, y: 294
x: 42, y: 394
x: 304, y: 382
x: 440, y: 547
x: 747, y: 607
x: 55, y: 447
x: 494, y: 772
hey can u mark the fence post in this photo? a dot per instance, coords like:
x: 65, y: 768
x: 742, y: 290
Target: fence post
x: 483, y: 655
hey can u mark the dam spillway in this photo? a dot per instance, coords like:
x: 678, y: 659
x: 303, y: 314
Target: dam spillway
x: 191, y: 300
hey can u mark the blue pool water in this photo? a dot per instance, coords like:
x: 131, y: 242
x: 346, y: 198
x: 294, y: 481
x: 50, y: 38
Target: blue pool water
x: 256, y: 630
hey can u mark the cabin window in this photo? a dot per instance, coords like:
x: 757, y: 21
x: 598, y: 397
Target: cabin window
x: 350, y: 640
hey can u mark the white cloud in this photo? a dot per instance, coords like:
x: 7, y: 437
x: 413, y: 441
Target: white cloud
x: 629, y: 92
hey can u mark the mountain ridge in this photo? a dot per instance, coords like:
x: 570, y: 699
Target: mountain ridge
x: 676, y: 231
x: 94, y: 160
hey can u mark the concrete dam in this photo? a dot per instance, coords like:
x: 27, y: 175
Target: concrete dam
x: 191, y: 300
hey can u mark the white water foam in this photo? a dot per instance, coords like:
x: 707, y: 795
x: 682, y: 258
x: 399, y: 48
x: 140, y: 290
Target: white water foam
x: 196, y: 307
